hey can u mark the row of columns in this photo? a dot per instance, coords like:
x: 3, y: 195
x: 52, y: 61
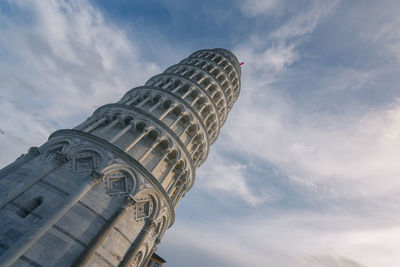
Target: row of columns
x: 151, y: 148
x: 173, y: 191
x: 234, y: 81
x: 194, y: 101
x: 190, y: 90
x: 209, y: 125
x: 220, y: 63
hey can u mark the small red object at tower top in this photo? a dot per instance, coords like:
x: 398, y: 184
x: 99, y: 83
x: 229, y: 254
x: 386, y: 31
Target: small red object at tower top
x: 241, y: 63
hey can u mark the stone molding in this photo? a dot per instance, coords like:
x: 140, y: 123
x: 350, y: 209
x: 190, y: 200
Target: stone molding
x: 127, y: 158
x: 162, y: 125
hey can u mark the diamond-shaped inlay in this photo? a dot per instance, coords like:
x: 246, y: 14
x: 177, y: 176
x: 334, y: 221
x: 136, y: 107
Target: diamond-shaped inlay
x: 83, y: 164
x: 143, y: 209
x: 117, y: 185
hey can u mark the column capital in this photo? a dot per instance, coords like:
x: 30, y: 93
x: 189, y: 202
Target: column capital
x: 151, y: 223
x: 34, y: 151
x: 61, y: 157
x: 95, y: 177
x: 128, y: 202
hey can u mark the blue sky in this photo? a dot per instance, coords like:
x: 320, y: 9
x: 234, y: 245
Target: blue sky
x: 305, y: 171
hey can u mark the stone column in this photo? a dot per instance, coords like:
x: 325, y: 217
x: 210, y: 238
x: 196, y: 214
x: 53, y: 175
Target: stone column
x: 109, y: 125
x: 22, y: 187
x: 154, y: 248
x: 94, y: 125
x: 11, y: 255
x: 134, y: 142
x: 134, y: 248
x: 96, y: 242
x: 121, y: 133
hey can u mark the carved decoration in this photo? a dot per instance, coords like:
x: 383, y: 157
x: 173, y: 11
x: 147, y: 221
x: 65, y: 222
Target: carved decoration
x: 61, y: 157
x: 84, y: 162
x: 118, y: 183
x: 54, y: 152
x: 143, y: 208
x: 128, y: 202
x: 156, y: 229
x: 138, y: 258
x: 34, y: 151
x: 95, y: 177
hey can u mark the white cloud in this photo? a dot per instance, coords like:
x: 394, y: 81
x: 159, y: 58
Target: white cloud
x: 261, y: 7
x: 388, y: 36
x: 344, y: 152
x: 269, y: 61
x: 291, y: 239
x: 348, y: 160
x: 19, y: 130
x: 265, y: 63
x: 59, y: 61
x: 223, y: 175
x: 306, y: 21
x: 334, y: 150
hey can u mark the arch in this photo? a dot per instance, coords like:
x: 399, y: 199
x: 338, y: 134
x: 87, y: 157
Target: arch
x: 186, y: 118
x: 152, y: 136
x: 177, y: 83
x: 140, y: 256
x: 167, y: 103
x: 156, y: 99
x: 193, y: 128
x: 87, y: 155
x: 181, y: 180
x: 57, y: 146
x: 163, y: 225
x: 127, y: 120
x: 160, y: 228
x: 180, y: 166
x: 191, y: 72
x: 140, y: 126
x: 173, y: 155
x: 206, y: 111
x: 163, y: 145
x: 178, y: 109
x: 198, y: 138
x: 194, y: 94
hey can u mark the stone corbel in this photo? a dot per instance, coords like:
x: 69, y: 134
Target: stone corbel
x: 96, y: 177
x: 34, y: 151
x: 61, y: 157
x: 128, y: 202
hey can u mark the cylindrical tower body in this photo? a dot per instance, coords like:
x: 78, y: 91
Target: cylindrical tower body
x: 104, y: 193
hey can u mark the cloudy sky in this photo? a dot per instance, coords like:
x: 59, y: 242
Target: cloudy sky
x: 306, y: 170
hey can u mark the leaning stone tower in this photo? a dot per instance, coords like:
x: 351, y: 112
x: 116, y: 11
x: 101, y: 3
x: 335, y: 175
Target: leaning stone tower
x: 104, y: 193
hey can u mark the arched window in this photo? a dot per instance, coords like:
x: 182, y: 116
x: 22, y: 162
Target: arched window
x: 29, y: 207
